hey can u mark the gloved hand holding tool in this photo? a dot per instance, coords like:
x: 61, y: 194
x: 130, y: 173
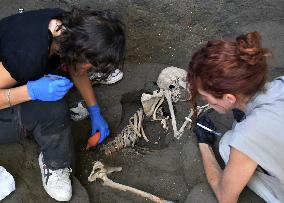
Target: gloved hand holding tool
x: 93, y: 140
x: 98, y: 123
x: 202, y: 134
x: 49, y: 88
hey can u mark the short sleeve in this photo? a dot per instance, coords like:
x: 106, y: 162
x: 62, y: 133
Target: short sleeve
x: 24, y: 44
x: 260, y: 136
x: 24, y: 66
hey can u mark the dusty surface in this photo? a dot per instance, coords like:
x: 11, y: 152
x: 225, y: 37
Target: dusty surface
x: 160, y: 33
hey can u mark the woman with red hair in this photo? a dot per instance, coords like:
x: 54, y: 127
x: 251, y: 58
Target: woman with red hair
x: 232, y: 75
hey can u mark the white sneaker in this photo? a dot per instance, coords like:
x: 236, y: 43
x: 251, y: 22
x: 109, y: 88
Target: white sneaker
x: 78, y: 111
x: 56, y: 183
x: 7, y: 183
x: 97, y: 78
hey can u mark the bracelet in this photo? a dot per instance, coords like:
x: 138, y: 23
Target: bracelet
x: 8, y: 97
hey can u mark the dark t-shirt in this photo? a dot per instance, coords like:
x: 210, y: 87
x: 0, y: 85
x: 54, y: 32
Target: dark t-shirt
x: 24, y: 44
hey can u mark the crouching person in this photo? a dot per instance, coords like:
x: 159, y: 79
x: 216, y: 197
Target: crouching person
x: 232, y: 75
x: 35, y: 43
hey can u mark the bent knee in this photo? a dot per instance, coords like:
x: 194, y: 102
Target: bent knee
x: 41, y: 111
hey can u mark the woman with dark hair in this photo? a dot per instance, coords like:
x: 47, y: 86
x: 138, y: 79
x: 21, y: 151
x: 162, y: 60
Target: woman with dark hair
x: 32, y: 45
x: 232, y: 75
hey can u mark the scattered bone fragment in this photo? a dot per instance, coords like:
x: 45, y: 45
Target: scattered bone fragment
x: 100, y: 172
x: 79, y: 112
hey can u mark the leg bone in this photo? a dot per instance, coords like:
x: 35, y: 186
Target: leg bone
x: 100, y: 172
x: 174, y: 123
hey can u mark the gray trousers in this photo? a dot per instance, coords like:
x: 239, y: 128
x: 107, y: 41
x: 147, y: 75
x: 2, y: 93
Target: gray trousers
x: 265, y: 186
x: 48, y: 122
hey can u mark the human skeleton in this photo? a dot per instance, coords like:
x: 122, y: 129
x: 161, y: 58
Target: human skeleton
x: 172, y: 86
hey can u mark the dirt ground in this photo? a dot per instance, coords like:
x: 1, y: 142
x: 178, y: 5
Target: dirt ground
x: 161, y: 33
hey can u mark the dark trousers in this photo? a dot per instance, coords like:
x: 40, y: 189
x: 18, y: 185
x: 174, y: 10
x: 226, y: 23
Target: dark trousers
x: 50, y: 124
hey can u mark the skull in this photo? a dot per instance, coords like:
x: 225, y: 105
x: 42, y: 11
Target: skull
x: 172, y: 79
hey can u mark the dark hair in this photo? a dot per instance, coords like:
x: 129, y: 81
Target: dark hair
x: 97, y: 37
x: 229, y: 67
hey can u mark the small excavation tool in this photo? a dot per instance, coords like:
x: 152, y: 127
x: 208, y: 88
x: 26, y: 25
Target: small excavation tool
x: 206, y: 128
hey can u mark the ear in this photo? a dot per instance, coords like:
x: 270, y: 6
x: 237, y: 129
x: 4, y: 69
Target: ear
x: 230, y: 98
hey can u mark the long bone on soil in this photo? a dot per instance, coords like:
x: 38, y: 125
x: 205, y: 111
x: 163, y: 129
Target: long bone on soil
x: 174, y: 122
x: 178, y: 133
x: 100, y: 172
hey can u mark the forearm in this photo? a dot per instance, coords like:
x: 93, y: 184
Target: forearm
x: 84, y: 86
x: 16, y: 96
x: 212, y: 169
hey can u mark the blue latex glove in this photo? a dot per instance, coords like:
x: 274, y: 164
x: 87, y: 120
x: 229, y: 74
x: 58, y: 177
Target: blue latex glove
x: 98, y: 122
x: 49, y: 88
